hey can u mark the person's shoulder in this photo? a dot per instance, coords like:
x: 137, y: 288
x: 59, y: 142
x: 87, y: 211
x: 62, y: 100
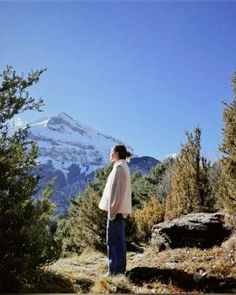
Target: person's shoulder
x: 120, y: 168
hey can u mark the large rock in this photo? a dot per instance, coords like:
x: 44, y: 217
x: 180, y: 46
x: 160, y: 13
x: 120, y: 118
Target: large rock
x: 202, y: 230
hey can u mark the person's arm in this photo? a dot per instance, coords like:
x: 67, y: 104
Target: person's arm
x: 117, y: 192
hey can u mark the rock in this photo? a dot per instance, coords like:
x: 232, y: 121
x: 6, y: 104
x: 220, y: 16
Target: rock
x: 202, y: 230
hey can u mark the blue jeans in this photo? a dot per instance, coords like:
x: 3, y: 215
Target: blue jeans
x: 116, y: 245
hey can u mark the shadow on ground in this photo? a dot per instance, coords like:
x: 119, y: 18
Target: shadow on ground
x: 182, y: 279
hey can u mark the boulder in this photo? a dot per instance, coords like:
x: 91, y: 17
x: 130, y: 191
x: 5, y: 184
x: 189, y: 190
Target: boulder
x: 202, y: 230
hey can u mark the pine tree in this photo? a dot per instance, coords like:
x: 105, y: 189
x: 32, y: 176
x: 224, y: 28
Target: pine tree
x: 88, y: 221
x: 190, y: 190
x: 160, y: 176
x: 227, y: 188
x: 142, y: 188
x: 101, y: 176
x: 157, y: 172
x: 25, y: 238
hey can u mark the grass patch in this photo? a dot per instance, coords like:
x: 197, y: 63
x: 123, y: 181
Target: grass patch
x: 89, y: 256
x: 112, y: 284
x: 216, y: 261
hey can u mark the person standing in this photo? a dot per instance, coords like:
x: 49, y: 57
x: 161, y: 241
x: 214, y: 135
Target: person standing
x: 116, y: 200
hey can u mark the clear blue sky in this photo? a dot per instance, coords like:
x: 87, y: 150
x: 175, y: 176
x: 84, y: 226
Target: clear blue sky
x: 143, y: 72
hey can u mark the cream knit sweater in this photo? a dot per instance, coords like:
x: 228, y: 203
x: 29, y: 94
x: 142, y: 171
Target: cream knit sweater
x: 116, y: 196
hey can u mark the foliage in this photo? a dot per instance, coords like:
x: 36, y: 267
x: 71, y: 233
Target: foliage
x: 26, y: 240
x: 151, y: 213
x: 88, y: 222
x: 144, y: 186
x: 164, y: 184
x: 190, y: 189
x: 63, y: 233
x: 157, y: 172
x: 227, y: 188
x: 214, y: 181
x: 101, y: 178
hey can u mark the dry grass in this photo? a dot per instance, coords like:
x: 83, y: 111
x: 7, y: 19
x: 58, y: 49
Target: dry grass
x: 89, y: 256
x: 216, y: 261
x: 115, y: 284
x: 86, y: 270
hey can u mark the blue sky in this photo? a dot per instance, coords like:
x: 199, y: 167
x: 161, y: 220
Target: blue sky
x: 141, y: 71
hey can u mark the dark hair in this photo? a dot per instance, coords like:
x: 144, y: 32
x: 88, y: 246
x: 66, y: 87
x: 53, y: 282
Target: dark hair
x: 122, y: 151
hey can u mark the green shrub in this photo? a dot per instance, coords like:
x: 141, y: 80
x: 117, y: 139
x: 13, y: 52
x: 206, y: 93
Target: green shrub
x: 152, y: 212
x: 86, y: 222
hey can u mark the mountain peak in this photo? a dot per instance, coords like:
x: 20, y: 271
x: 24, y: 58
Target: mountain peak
x: 64, y: 115
x: 61, y: 119
x: 66, y: 141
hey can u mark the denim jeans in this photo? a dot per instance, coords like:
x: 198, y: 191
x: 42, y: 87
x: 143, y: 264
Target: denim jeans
x: 116, y: 245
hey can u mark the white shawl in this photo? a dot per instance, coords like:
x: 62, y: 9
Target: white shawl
x: 116, y: 196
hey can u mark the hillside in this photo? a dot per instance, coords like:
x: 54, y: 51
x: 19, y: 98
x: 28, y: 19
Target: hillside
x: 185, y: 270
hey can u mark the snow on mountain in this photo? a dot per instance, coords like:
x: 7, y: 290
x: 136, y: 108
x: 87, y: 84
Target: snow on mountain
x: 69, y: 152
x: 65, y: 141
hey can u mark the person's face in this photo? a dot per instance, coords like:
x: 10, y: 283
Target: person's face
x: 114, y: 155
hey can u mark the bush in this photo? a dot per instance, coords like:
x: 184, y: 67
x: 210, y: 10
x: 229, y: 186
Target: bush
x: 151, y: 213
x: 190, y: 190
x: 227, y: 187
x: 131, y: 232
x: 86, y: 222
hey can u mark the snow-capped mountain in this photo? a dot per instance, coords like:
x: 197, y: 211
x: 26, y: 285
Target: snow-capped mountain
x: 69, y: 152
x: 63, y: 141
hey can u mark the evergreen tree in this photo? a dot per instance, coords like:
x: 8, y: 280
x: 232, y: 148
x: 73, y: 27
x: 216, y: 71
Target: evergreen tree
x: 142, y: 188
x: 88, y: 221
x: 160, y: 176
x: 101, y: 176
x: 25, y: 238
x: 214, y: 179
x: 190, y: 190
x: 158, y: 171
x: 164, y: 186
x: 227, y: 187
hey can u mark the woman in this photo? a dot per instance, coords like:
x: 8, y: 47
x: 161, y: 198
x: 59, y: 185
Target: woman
x: 116, y: 200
